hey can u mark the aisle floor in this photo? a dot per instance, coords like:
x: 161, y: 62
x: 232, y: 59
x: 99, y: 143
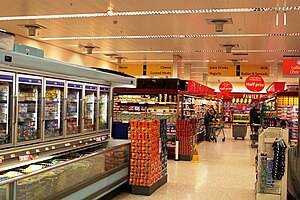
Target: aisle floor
x: 226, y: 171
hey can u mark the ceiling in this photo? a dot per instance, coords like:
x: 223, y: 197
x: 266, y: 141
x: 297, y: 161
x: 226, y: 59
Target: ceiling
x: 198, y: 51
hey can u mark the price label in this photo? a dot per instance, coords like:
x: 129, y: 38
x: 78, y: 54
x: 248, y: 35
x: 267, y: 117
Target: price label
x: 12, y: 155
x: 53, y: 147
x: 98, y: 139
x: 28, y: 152
x: 91, y: 139
x: 80, y: 142
x: 86, y: 143
x: 67, y: 144
x: 74, y: 146
x: 37, y: 151
x: 47, y: 149
x: 25, y: 158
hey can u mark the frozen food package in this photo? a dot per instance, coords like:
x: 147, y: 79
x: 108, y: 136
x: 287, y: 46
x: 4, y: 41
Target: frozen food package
x: 7, y: 40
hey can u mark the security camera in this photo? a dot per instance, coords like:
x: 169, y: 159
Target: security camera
x: 115, y: 21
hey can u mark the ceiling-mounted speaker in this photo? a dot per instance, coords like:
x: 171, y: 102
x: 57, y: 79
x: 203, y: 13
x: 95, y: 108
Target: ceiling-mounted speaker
x: 32, y: 28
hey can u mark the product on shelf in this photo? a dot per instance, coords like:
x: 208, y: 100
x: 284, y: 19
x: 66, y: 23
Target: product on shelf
x: 73, y: 112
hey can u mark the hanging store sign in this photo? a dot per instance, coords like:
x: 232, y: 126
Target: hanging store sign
x: 221, y: 70
x: 150, y: 70
x: 158, y: 70
x: 255, y: 83
x: 225, y: 87
x: 248, y: 70
x: 134, y: 70
x: 291, y: 68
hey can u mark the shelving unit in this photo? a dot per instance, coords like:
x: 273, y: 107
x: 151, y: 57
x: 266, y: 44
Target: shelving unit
x: 271, y: 183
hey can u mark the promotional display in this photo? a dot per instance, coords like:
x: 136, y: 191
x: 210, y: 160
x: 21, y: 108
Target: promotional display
x: 225, y: 87
x: 255, y: 83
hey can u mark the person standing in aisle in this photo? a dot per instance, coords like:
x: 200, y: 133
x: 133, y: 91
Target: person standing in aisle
x: 254, y: 117
x: 208, y: 118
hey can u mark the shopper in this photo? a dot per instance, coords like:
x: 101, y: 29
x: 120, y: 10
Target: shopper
x: 254, y: 118
x: 208, y: 118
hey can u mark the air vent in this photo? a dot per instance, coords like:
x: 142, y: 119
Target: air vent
x: 32, y: 28
x: 111, y: 55
x: 229, y: 47
x: 240, y: 54
x: 219, y: 23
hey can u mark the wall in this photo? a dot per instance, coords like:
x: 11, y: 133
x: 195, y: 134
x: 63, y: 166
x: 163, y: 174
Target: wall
x: 58, y: 53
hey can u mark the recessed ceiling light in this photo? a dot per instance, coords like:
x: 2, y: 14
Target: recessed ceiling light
x: 153, y: 12
x: 170, y: 36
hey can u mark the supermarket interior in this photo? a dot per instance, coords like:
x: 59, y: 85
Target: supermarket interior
x: 138, y: 99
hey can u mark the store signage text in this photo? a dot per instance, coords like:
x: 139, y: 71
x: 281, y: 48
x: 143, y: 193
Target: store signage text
x: 291, y: 67
x: 239, y: 70
x: 159, y: 70
x: 255, y: 83
x: 254, y: 70
x: 252, y: 96
x: 221, y: 70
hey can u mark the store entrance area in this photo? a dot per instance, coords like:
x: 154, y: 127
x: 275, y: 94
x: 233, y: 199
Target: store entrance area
x: 226, y: 171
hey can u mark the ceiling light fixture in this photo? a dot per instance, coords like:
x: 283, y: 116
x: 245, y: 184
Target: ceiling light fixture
x: 284, y: 18
x: 152, y: 12
x: 277, y: 18
x: 170, y: 36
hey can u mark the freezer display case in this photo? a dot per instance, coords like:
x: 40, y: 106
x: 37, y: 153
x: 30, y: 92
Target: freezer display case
x: 90, y: 108
x: 103, y: 108
x: 74, y: 105
x: 53, y: 108
x: 6, y: 101
x: 29, y: 92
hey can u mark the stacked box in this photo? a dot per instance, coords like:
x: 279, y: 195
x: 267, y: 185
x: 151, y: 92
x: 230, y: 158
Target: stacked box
x: 185, y: 134
x: 164, y: 147
x: 145, y: 162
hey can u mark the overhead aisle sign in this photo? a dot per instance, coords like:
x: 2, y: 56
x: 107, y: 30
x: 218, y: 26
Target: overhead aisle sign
x: 248, y: 70
x: 134, y: 70
x: 239, y: 70
x: 151, y: 70
x: 221, y: 70
x: 291, y: 68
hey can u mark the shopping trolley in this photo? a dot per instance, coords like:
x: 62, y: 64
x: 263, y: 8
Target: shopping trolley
x: 216, y: 128
x: 254, y: 135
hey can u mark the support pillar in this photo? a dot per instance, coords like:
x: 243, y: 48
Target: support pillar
x: 176, y: 64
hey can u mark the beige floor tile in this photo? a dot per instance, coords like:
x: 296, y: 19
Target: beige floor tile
x: 226, y: 172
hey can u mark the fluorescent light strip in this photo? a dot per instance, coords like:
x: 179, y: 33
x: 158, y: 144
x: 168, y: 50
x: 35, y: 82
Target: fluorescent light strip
x: 171, y: 36
x: 152, y: 12
x: 197, y: 51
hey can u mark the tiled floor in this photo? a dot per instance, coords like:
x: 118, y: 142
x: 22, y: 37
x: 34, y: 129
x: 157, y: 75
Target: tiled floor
x: 226, y: 171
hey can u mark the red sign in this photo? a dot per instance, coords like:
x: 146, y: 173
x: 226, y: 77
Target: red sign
x: 255, y: 83
x: 291, y: 67
x: 225, y: 87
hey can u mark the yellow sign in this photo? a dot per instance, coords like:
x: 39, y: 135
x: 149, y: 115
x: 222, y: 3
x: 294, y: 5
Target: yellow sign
x: 134, y: 70
x: 221, y: 70
x: 195, y: 154
x: 159, y: 70
x: 255, y: 70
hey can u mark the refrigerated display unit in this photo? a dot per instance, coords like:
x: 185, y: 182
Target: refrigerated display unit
x: 90, y: 108
x: 6, y: 103
x: 74, y: 105
x: 29, y: 97
x: 104, y: 103
x: 53, y: 108
x: 46, y: 110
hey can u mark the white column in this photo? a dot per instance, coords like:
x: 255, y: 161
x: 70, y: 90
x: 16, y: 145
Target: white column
x: 187, y: 71
x: 176, y: 64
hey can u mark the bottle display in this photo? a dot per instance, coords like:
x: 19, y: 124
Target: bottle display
x: 90, y: 108
x: 29, y: 96
x: 53, y: 110
x: 5, y: 104
x: 73, y: 108
x: 103, y: 108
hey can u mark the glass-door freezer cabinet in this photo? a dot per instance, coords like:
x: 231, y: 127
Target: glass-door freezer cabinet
x: 104, y: 108
x: 6, y: 105
x: 74, y: 106
x: 53, y: 108
x: 90, y: 107
x: 29, y: 93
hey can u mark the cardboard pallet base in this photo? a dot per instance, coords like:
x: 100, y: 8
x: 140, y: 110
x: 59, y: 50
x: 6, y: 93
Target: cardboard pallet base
x: 148, y: 190
x: 185, y: 157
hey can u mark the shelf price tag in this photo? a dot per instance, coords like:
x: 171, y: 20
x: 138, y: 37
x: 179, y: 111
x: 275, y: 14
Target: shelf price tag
x: 25, y: 158
x: 74, y: 146
x: 53, y: 147
x: 12, y: 155
x: 27, y: 152
x: 80, y: 142
x: 98, y: 139
x: 123, y: 101
x: 46, y: 148
x: 67, y: 144
x: 1, y: 159
x: 37, y: 151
